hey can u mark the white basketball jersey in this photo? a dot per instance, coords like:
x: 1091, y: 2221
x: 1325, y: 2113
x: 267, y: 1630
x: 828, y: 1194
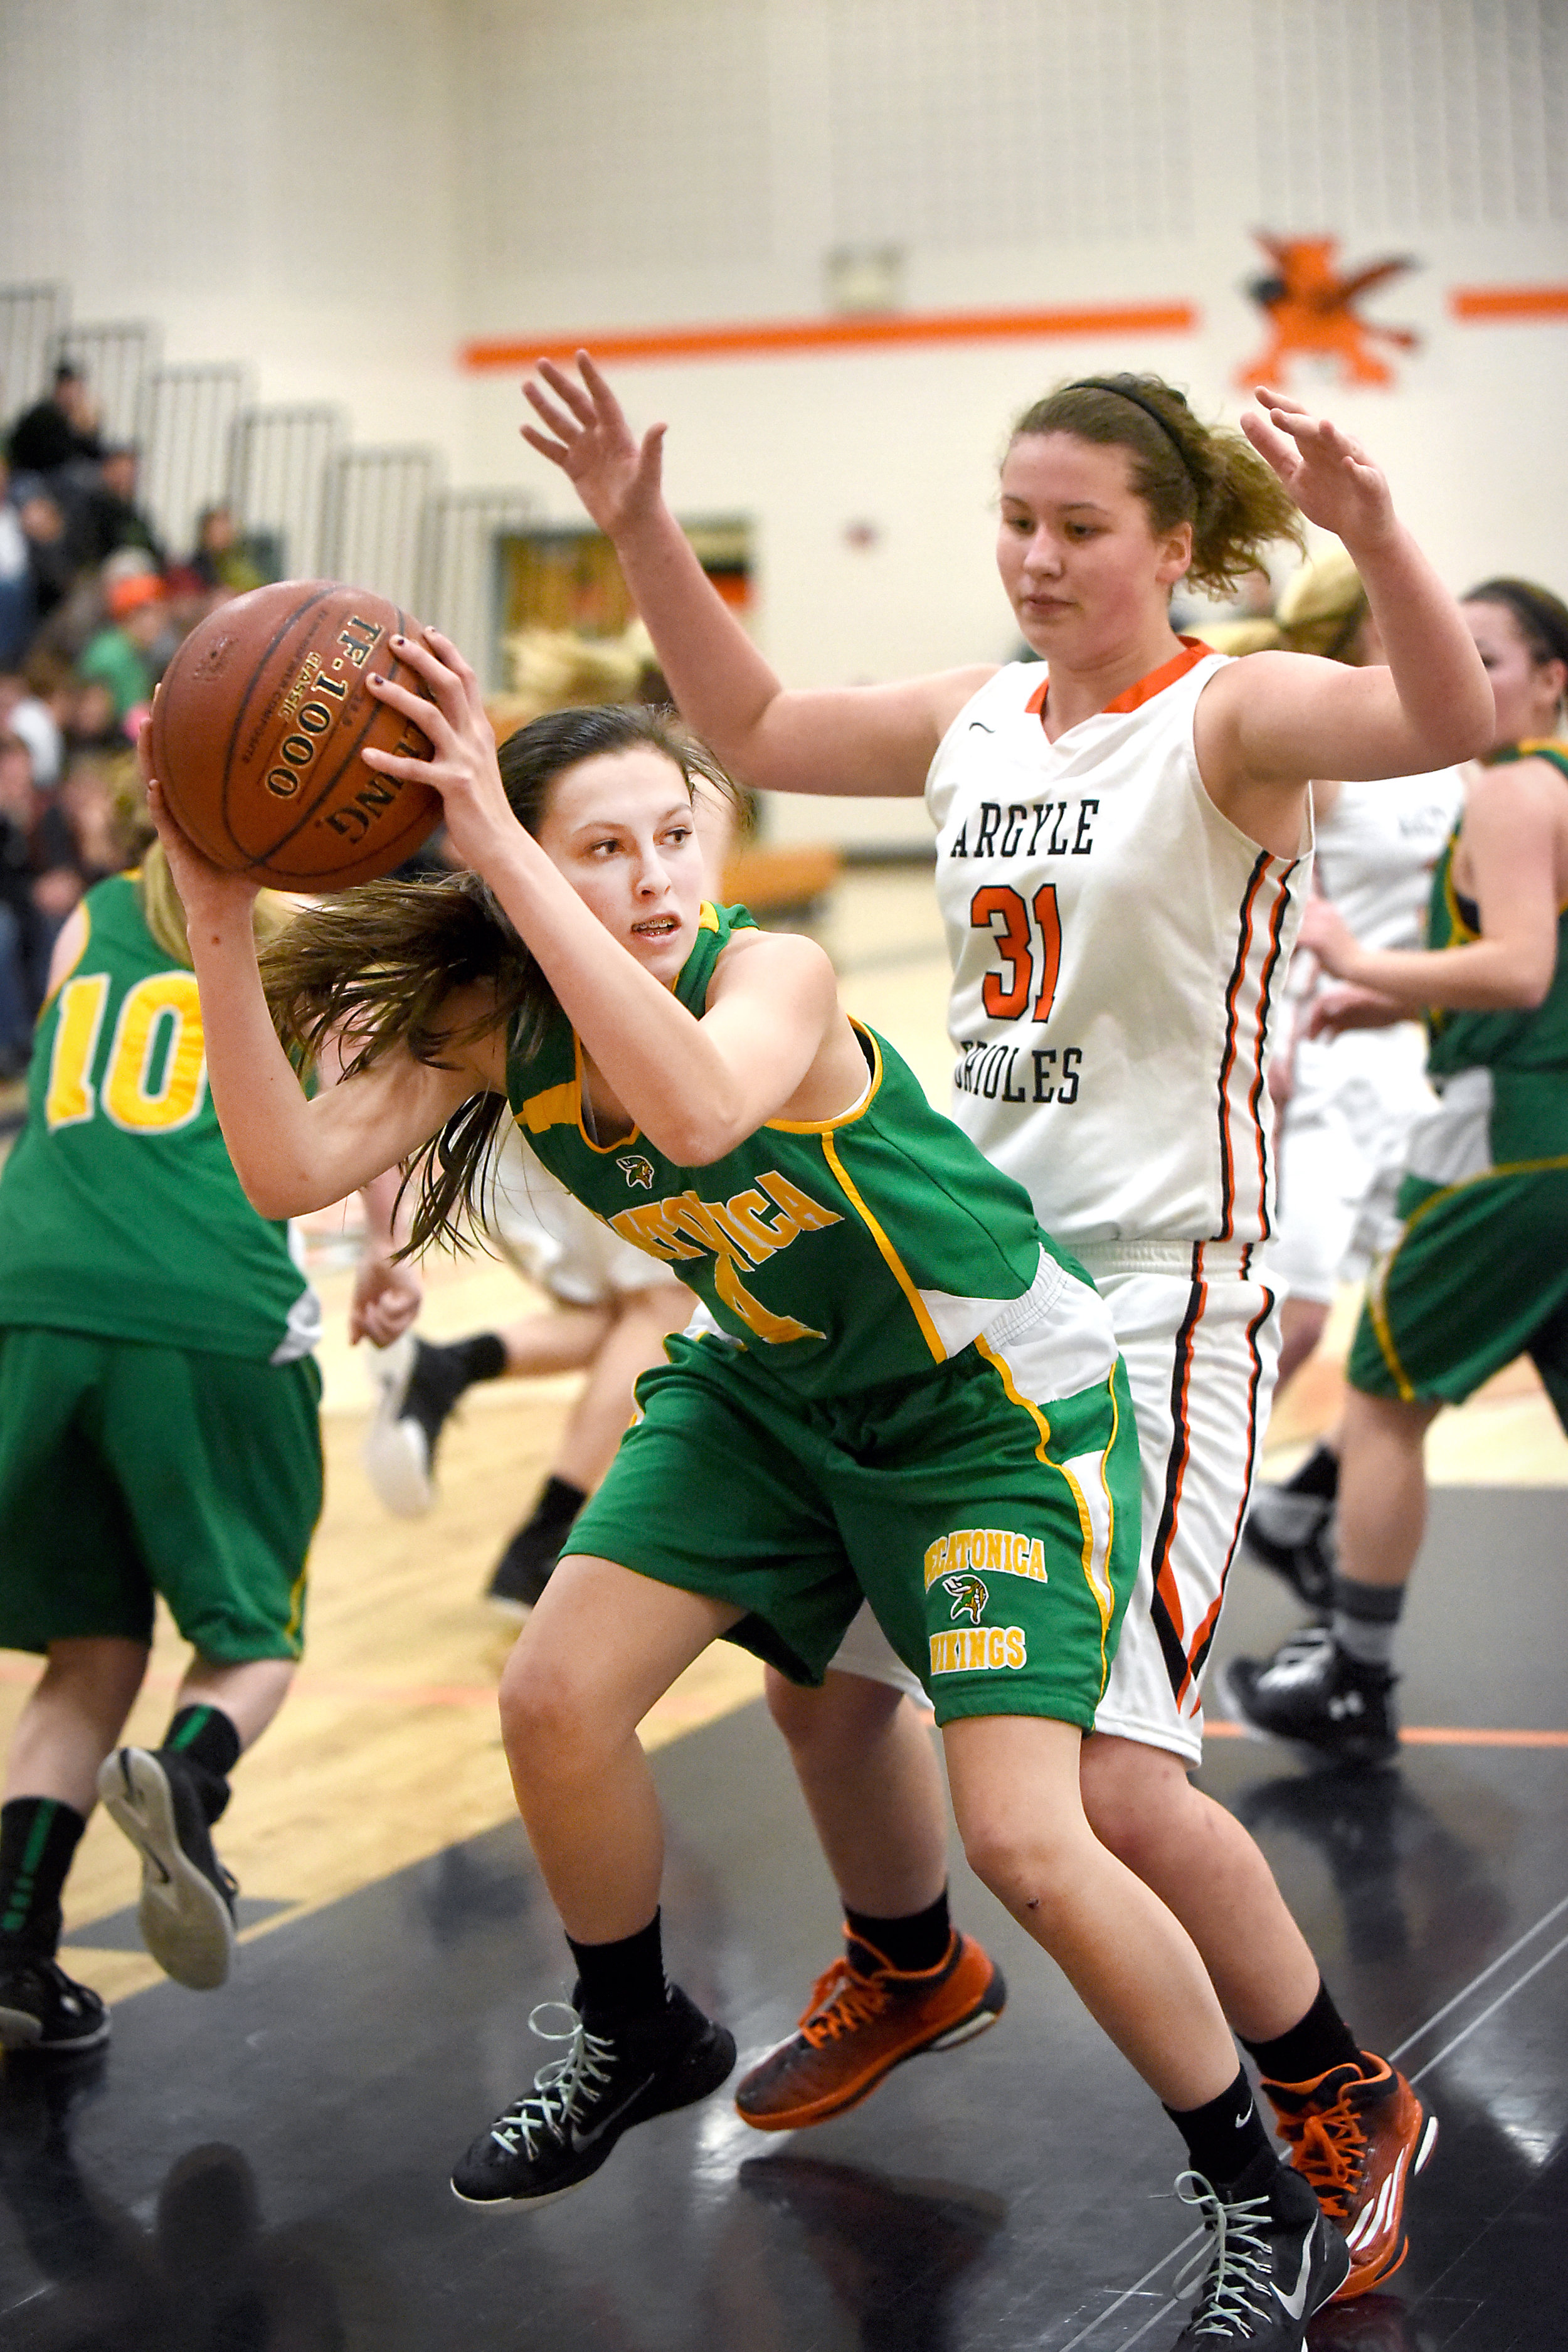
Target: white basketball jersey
x: 1377, y: 849
x: 1118, y: 950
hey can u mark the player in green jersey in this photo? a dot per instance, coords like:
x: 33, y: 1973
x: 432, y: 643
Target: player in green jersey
x: 1480, y: 1274
x: 158, y: 1433
x: 893, y: 1379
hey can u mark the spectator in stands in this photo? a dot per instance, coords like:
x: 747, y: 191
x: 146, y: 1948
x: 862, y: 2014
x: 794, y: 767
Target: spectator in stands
x: 120, y: 656
x: 58, y: 430
x: 112, y: 519
x: 32, y: 705
x: 88, y: 802
x: 18, y: 607
x: 218, y: 560
x: 40, y: 885
x: 53, y: 562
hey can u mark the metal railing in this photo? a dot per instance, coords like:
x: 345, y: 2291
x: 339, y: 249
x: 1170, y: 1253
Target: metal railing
x: 188, y: 421
x: 31, y: 318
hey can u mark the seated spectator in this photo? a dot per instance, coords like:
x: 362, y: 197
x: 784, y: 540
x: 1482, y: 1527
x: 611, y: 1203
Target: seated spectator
x: 57, y: 430
x: 18, y: 607
x: 112, y: 519
x: 87, y: 800
x: 53, y: 562
x: 120, y: 656
x: 32, y: 705
x: 40, y: 885
x: 218, y: 560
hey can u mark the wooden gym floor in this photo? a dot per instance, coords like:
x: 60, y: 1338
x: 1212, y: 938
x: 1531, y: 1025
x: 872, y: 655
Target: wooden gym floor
x: 297, y: 2125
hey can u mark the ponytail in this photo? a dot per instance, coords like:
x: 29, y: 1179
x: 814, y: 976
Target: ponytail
x: 1184, y: 470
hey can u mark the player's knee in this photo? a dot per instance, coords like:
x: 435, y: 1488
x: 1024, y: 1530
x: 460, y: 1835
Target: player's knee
x: 1128, y: 1793
x: 848, y: 1714
x: 552, y: 1718
x: 1028, y: 1864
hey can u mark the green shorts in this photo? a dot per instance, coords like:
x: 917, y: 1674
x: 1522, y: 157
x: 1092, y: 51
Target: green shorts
x: 1479, y: 1275
x: 995, y: 1537
x: 129, y: 1470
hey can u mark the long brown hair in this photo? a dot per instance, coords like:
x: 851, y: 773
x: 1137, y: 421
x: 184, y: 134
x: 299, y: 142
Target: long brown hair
x: 375, y: 968
x: 1183, y: 469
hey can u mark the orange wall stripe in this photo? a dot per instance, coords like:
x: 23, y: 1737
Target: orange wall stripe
x: 1509, y: 301
x: 761, y: 338
x: 1422, y: 1735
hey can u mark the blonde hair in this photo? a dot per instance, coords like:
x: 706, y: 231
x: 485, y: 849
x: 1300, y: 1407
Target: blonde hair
x: 164, y: 912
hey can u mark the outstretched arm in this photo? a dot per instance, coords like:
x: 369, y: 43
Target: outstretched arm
x: 1278, y: 717
x: 1509, y: 832
x: 854, y: 739
x: 292, y: 1154
x: 695, y: 1087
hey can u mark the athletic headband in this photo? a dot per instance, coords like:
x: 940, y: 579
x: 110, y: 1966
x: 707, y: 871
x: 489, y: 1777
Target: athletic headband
x: 1104, y: 383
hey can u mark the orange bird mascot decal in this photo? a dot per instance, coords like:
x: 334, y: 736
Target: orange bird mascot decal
x: 1309, y: 303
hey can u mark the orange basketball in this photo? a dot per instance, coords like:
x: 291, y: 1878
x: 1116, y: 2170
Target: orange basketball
x: 257, y: 730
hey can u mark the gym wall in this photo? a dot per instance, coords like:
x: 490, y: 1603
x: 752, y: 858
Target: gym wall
x: 345, y: 200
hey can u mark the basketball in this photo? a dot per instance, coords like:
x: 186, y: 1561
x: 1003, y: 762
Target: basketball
x: 257, y: 730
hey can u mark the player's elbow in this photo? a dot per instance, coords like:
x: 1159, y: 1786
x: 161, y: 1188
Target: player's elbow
x: 694, y: 1137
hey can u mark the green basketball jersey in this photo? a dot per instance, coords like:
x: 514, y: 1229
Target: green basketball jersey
x: 841, y: 1251
x: 120, y: 1211
x: 1527, y: 1051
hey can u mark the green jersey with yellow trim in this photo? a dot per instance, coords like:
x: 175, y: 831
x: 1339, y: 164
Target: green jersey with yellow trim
x: 841, y: 1251
x: 1527, y: 1051
x: 120, y: 1213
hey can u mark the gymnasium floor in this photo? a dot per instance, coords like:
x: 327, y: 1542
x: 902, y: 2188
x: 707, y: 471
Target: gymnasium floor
x: 263, y: 2169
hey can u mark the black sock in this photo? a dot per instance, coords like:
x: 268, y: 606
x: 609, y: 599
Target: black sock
x: 1226, y: 2135
x: 1318, y: 2042
x: 480, y: 1358
x: 1365, y: 1620
x: 1319, y: 1475
x: 556, y: 1506
x: 625, y: 1978
x: 38, y: 1837
x: 207, y: 1741
x: 918, y: 1941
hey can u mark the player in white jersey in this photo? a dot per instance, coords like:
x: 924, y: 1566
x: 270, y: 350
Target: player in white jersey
x: 1123, y: 847
x: 1347, y: 1102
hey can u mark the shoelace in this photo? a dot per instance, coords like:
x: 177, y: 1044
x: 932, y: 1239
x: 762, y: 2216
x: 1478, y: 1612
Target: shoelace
x: 1328, y: 2147
x: 1239, y: 2263
x: 1300, y: 1657
x: 558, y: 2085
x: 841, y: 1999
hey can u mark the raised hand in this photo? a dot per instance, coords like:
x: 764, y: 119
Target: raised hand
x: 462, y: 767
x: 208, y: 892
x: 616, y: 476
x: 1331, y: 477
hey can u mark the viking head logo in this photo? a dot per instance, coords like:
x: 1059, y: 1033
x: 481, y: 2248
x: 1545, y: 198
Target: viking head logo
x: 969, y: 1596
x: 637, y: 1170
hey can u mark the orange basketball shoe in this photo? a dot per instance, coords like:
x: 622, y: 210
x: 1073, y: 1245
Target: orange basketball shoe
x: 864, y: 2018
x: 1360, y: 2137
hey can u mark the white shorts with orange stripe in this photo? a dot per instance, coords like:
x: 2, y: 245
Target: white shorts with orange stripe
x: 1199, y: 1333
x: 1199, y: 1330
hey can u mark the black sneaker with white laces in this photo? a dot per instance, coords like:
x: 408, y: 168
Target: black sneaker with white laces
x: 1273, y: 2258
x: 609, y: 2078
x: 1313, y: 1692
x: 43, y: 2008
x: 187, y: 1911
x: 1294, y: 1535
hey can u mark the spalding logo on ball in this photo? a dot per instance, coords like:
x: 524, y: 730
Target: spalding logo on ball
x: 257, y: 730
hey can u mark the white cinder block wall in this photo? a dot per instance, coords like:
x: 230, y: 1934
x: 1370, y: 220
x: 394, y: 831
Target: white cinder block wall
x: 343, y: 198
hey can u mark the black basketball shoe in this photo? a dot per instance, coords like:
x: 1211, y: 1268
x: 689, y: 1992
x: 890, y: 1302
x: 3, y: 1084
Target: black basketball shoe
x: 610, y: 2077
x: 1312, y: 1691
x: 43, y: 2008
x: 187, y: 1911
x: 1294, y: 1535
x: 1272, y: 2259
